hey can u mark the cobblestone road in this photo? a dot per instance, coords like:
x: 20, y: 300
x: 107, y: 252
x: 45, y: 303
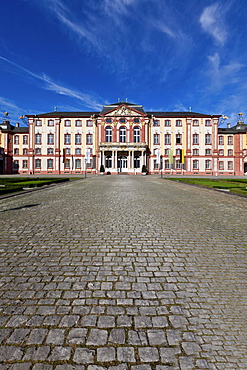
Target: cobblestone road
x: 122, y: 272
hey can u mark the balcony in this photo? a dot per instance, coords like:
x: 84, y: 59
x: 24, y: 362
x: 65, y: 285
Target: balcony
x: 122, y: 146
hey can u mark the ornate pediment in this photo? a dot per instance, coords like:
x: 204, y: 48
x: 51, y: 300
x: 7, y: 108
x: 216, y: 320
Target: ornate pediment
x: 123, y: 109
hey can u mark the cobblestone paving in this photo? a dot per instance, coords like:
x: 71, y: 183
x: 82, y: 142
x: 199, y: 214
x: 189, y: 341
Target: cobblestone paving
x: 122, y: 272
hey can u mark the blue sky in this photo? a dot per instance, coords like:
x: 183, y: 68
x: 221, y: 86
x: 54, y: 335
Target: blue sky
x: 167, y: 55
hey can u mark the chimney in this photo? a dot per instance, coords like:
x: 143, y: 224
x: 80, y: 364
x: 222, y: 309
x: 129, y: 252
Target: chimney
x: 17, y: 124
x: 228, y: 125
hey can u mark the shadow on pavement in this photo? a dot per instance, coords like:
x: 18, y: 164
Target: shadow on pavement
x: 21, y: 207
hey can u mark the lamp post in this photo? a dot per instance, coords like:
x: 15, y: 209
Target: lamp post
x: 161, y: 165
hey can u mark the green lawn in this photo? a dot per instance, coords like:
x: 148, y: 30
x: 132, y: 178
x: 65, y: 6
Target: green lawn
x: 16, y: 184
x: 237, y: 186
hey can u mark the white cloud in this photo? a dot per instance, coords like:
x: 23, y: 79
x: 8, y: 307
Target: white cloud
x: 90, y: 100
x: 7, y: 104
x: 212, y: 22
x: 222, y: 75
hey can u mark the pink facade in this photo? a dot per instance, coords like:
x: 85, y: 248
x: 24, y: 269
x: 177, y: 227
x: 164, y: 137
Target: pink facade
x: 123, y: 138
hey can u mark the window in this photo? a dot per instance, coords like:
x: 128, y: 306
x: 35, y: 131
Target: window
x: 137, y: 162
x: 136, y: 120
x: 195, y: 122
x: 89, y: 123
x: 177, y: 151
x: 38, y: 139
x: 156, y: 138
x: 178, y: 122
x: 230, y: 152
x: 50, y: 151
x: 122, y: 120
x: 89, y: 139
x: 108, y: 120
x: 50, y: 139
x: 38, y: 122
x: 207, y: 164
x: 167, y: 123
x: 167, y: 164
x: 195, y: 164
x: 122, y: 134
x: 230, y: 165
x: 16, y: 139
x: 156, y: 165
x: 37, y: 151
x: 221, y: 152
x: 136, y: 134
x: 78, y: 151
x: 49, y: 163
x: 195, y: 139
x: 77, y: 139
x: 156, y: 122
x: 16, y: 164
x: 178, y: 139
x: 230, y: 140
x: 167, y: 139
x: 37, y: 163
x: 25, y: 139
x: 16, y: 151
x: 108, y: 161
x: 208, y: 122
x: 208, y: 152
x: 77, y: 163
x: 166, y: 151
x: 178, y: 164
x: 195, y: 151
x: 78, y: 122
x: 108, y: 134
x: 67, y: 151
x: 67, y: 139
x: 50, y: 122
x: 90, y: 164
x: 221, y: 165
x: 67, y: 123
x: 221, y: 140
x: 25, y: 151
x: 24, y: 164
x: 207, y: 139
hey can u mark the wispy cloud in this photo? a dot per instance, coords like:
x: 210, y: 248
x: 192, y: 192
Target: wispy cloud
x: 212, y: 22
x: 119, y: 30
x: 90, y: 100
x: 7, y: 105
x: 222, y: 75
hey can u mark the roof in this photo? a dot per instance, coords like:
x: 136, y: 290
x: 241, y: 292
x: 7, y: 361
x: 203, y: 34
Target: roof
x: 111, y: 107
x: 239, y: 127
x: 182, y: 114
x: 7, y: 127
x: 63, y: 114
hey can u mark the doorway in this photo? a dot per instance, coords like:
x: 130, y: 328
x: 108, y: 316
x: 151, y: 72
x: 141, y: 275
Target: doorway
x: 122, y: 163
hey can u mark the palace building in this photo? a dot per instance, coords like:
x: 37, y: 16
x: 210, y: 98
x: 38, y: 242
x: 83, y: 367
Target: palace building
x: 123, y: 137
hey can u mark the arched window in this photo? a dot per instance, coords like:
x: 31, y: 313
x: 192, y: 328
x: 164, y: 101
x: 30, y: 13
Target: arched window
x: 136, y: 134
x: 108, y: 134
x: 122, y: 134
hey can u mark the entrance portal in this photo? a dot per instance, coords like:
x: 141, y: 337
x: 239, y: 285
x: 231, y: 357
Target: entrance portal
x: 122, y: 163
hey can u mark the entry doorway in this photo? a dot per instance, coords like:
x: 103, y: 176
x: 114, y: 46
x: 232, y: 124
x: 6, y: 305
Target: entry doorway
x: 122, y: 163
x: 245, y: 167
